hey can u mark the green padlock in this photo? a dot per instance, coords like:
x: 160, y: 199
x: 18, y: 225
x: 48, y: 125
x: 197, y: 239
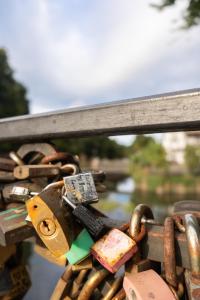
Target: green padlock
x: 80, y: 248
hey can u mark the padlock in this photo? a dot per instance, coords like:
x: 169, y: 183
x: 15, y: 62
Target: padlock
x: 13, y: 227
x: 146, y: 285
x: 21, y: 194
x: 80, y: 188
x: 137, y: 231
x: 34, y: 171
x: 6, y: 164
x: 54, y: 229
x: 94, y: 224
x: 8, y: 189
x: 192, y: 278
x: 114, y: 249
x: 6, y: 176
x: 80, y: 248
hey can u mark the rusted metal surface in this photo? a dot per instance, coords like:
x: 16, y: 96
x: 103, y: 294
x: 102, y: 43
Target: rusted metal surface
x: 193, y: 241
x: 13, y: 227
x: 92, y: 283
x: 192, y: 285
x: 6, y: 176
x: 6, y: 164
x: 59, y: 156
x: 152, y: 246
x: 34, y: 171
x: 178, y: 220
x: 169, y: 252
x: 140, y: 211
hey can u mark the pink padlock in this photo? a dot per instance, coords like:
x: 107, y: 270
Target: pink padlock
x: 146, y: 285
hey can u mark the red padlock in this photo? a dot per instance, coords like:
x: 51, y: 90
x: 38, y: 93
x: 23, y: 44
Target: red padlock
x: 114, y: 249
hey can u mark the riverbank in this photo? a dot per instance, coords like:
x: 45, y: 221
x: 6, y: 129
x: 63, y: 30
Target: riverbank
x: 166, y: 183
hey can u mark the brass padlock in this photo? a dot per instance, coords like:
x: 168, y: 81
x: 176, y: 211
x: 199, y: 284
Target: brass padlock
x: 47, y: 217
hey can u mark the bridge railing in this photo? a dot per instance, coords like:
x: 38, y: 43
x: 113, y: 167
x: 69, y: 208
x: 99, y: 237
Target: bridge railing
x: 179, y: 111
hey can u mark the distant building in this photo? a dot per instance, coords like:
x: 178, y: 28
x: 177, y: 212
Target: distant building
x: 174, y: 144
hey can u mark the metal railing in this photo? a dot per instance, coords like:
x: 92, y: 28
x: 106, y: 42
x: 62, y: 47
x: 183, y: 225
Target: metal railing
x: 178, y: 111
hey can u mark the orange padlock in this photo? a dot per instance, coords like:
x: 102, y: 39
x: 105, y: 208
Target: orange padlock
x: 146, y: 285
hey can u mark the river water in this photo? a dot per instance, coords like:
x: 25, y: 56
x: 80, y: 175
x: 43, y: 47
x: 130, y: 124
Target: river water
x: 117, y: 204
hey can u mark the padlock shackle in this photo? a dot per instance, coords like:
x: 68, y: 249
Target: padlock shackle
x: 140, y: 211
x: 193, y: 243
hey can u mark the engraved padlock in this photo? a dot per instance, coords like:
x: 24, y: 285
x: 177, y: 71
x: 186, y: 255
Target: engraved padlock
x: 80, y: 188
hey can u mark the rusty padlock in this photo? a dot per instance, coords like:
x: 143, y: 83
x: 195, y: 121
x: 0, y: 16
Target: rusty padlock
x: 192, y: 278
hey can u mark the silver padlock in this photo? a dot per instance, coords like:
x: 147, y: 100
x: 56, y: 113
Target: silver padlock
x: 192, y: 278
x: 80, y: 188
x: 19, y: 193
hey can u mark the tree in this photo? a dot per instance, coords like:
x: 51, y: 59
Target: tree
x: 147, y: 153
x: 13, y: 99
x: 191, y: 15
x: 192, y: 159
x: 93, y: 146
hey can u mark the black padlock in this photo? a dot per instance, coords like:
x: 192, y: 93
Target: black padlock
x: 94, y: 224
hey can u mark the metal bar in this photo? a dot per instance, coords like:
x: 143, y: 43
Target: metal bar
x: 153, y: 246
x: 161, y: 113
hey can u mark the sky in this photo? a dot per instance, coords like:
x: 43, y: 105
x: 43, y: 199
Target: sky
x: 73, y: 53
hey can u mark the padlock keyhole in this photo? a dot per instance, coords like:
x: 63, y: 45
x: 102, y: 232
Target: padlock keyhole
x: 46, y: 225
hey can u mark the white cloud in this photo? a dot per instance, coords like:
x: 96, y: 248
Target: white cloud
x: 70, y: 53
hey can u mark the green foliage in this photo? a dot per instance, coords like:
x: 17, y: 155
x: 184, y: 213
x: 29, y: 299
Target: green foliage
x: 13, y: 99
x: 192, y: 159
x: 147, y: 153
x: 191, y: 15
x: 94, y: 146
